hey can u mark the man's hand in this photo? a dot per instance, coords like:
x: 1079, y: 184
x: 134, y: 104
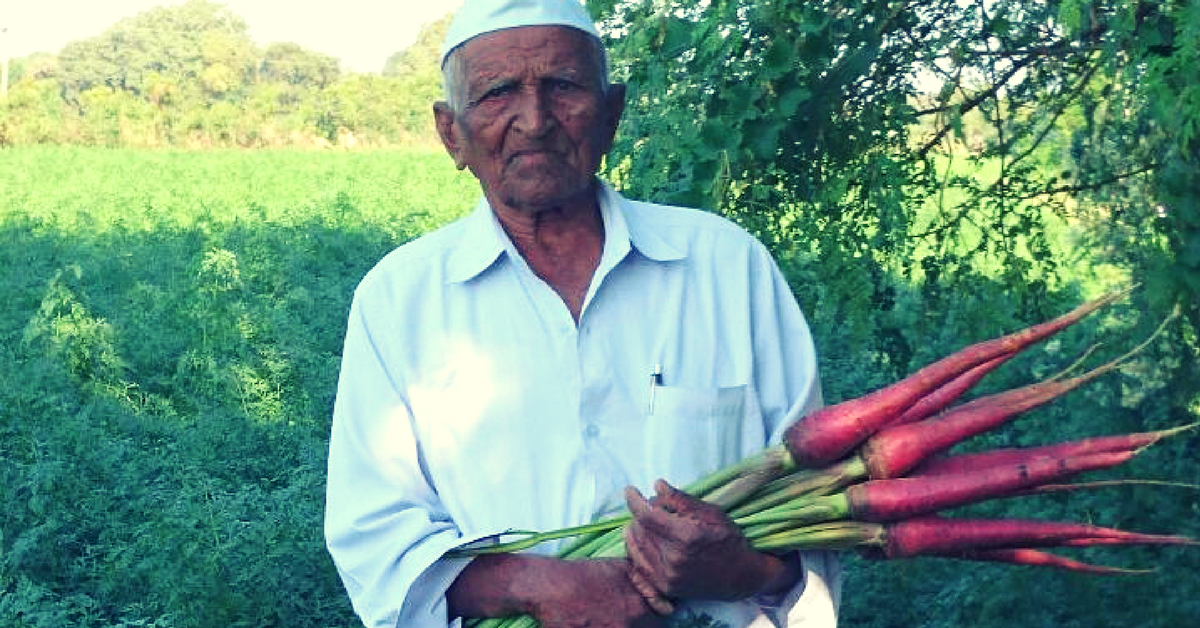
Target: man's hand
x: 595, y: 594
x: 682, y: 547
x: 558, y: 593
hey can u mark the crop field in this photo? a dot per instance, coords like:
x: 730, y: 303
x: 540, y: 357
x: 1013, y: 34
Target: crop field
x: 170, y: 333
x: 171, y: 326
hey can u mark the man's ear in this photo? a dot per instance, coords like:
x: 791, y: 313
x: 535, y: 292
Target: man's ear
x: 445, y: 121
x: 614, y: 108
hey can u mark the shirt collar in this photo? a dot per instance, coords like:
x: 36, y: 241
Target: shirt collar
x: 484, y: 240
x: 623, y: 222
x: 481, y: 244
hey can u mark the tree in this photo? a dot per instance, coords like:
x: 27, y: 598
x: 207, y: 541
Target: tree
x: 33, y: 113
x: 184, y: 42
x: 294, y: 65
x: 423, y: 54
x: 191, y: 75
x: 801, y: 121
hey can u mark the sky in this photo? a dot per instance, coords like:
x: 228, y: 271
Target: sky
x: 361, y: 33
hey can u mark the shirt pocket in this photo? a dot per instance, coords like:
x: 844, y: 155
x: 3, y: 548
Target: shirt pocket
x: 691, y: 432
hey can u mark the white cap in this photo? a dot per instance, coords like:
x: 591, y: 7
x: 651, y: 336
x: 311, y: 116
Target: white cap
x: 477, y: 17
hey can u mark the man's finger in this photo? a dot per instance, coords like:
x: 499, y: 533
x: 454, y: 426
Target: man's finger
x: 636, y: 502
x: 655, y: 599
x: 654, y: 518
x: 639, y: 556
x: 672, y: 499
x: 690, y: 508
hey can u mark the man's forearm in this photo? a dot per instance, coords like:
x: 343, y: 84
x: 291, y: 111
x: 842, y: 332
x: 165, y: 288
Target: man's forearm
x: 496, y: 585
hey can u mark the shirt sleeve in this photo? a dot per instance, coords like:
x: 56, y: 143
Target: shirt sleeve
x: 385, y: 527
x: 814, y: 601
x: 789, y: 388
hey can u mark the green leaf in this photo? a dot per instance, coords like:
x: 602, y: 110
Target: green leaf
x: 1190, y: 256
x: 740, y: 97
x: 779, y: 57
x: 764, y: 133
x: 790, y: 100
x: 677, y: 35
x: 716, y: 135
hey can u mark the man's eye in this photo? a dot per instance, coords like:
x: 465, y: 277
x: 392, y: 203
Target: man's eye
x: 498, y: 91
x: 561, y: 85
x: 490, y: 95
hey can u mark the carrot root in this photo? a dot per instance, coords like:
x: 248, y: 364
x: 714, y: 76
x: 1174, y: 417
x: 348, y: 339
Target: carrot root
x: 829, y: 434
x: 900, y: 498
x: 924, y: 535
x: 1039, y: 558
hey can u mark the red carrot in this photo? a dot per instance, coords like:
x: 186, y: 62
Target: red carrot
x: 946, y: 394
x: 937, y: 535
x: 1142, y: 539
x: 1032, y: 557
x: 1016, y: 455
x: 1081, y: 486
x: 828, y: 434
x: 896, y: 450
x: 887, y: 500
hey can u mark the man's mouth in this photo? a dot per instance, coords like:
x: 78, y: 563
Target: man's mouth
x: 536, y: 155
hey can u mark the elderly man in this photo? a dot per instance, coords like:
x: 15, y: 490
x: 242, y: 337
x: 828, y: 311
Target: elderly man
x: 552, y: 357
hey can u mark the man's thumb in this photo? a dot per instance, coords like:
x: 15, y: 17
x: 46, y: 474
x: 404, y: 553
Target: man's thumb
x: 670, y: 498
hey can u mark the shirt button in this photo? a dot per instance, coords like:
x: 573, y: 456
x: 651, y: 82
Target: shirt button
x: 591, y: 431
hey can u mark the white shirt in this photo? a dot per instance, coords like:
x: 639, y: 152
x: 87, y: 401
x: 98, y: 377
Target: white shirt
x: 470, y: 403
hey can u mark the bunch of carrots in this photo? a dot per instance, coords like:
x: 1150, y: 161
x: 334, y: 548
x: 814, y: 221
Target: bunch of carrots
x: 872, y: 473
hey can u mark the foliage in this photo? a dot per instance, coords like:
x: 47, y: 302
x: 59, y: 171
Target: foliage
x: 190, y: 76
x: 170, y: 350
x: 811, y: 124
x: 423, y: 55
x: 1147, y: 113
x: 291, y: 64
x: 838, y: 133
x: 199, y: 43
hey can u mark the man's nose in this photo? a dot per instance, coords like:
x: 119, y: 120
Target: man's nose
x: 533, y: 115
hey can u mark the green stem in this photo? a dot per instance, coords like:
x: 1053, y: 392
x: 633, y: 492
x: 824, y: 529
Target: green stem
x: 808, y: 483
x: 835, y: 535
x: 614, y: 548
x: 532, y: 539
x: 515, y: 621
x: 724, y: 488
x: 1074, y: 365
x: 581, y: 542
x: 773, y: 460
x: 808, y: 511
x: 598, y: 543
x: 760, y: 530
x: 769, y: 465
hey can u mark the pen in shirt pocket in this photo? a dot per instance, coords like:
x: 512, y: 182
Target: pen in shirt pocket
x: 655, y: 382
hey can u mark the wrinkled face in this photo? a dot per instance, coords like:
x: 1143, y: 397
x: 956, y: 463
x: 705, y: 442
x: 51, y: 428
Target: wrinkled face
x: 535, y: 121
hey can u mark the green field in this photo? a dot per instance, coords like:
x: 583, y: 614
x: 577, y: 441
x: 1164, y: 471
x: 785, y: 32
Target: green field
x: 170, y: 335
x: 171, y: 327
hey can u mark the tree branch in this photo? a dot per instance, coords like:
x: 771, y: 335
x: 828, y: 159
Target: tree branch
x: 1057, y: 112
x: 974, y: 102
x: 1093, y: 185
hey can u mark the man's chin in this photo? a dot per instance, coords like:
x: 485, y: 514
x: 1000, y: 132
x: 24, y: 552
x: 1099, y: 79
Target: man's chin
x: 538, y: 198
